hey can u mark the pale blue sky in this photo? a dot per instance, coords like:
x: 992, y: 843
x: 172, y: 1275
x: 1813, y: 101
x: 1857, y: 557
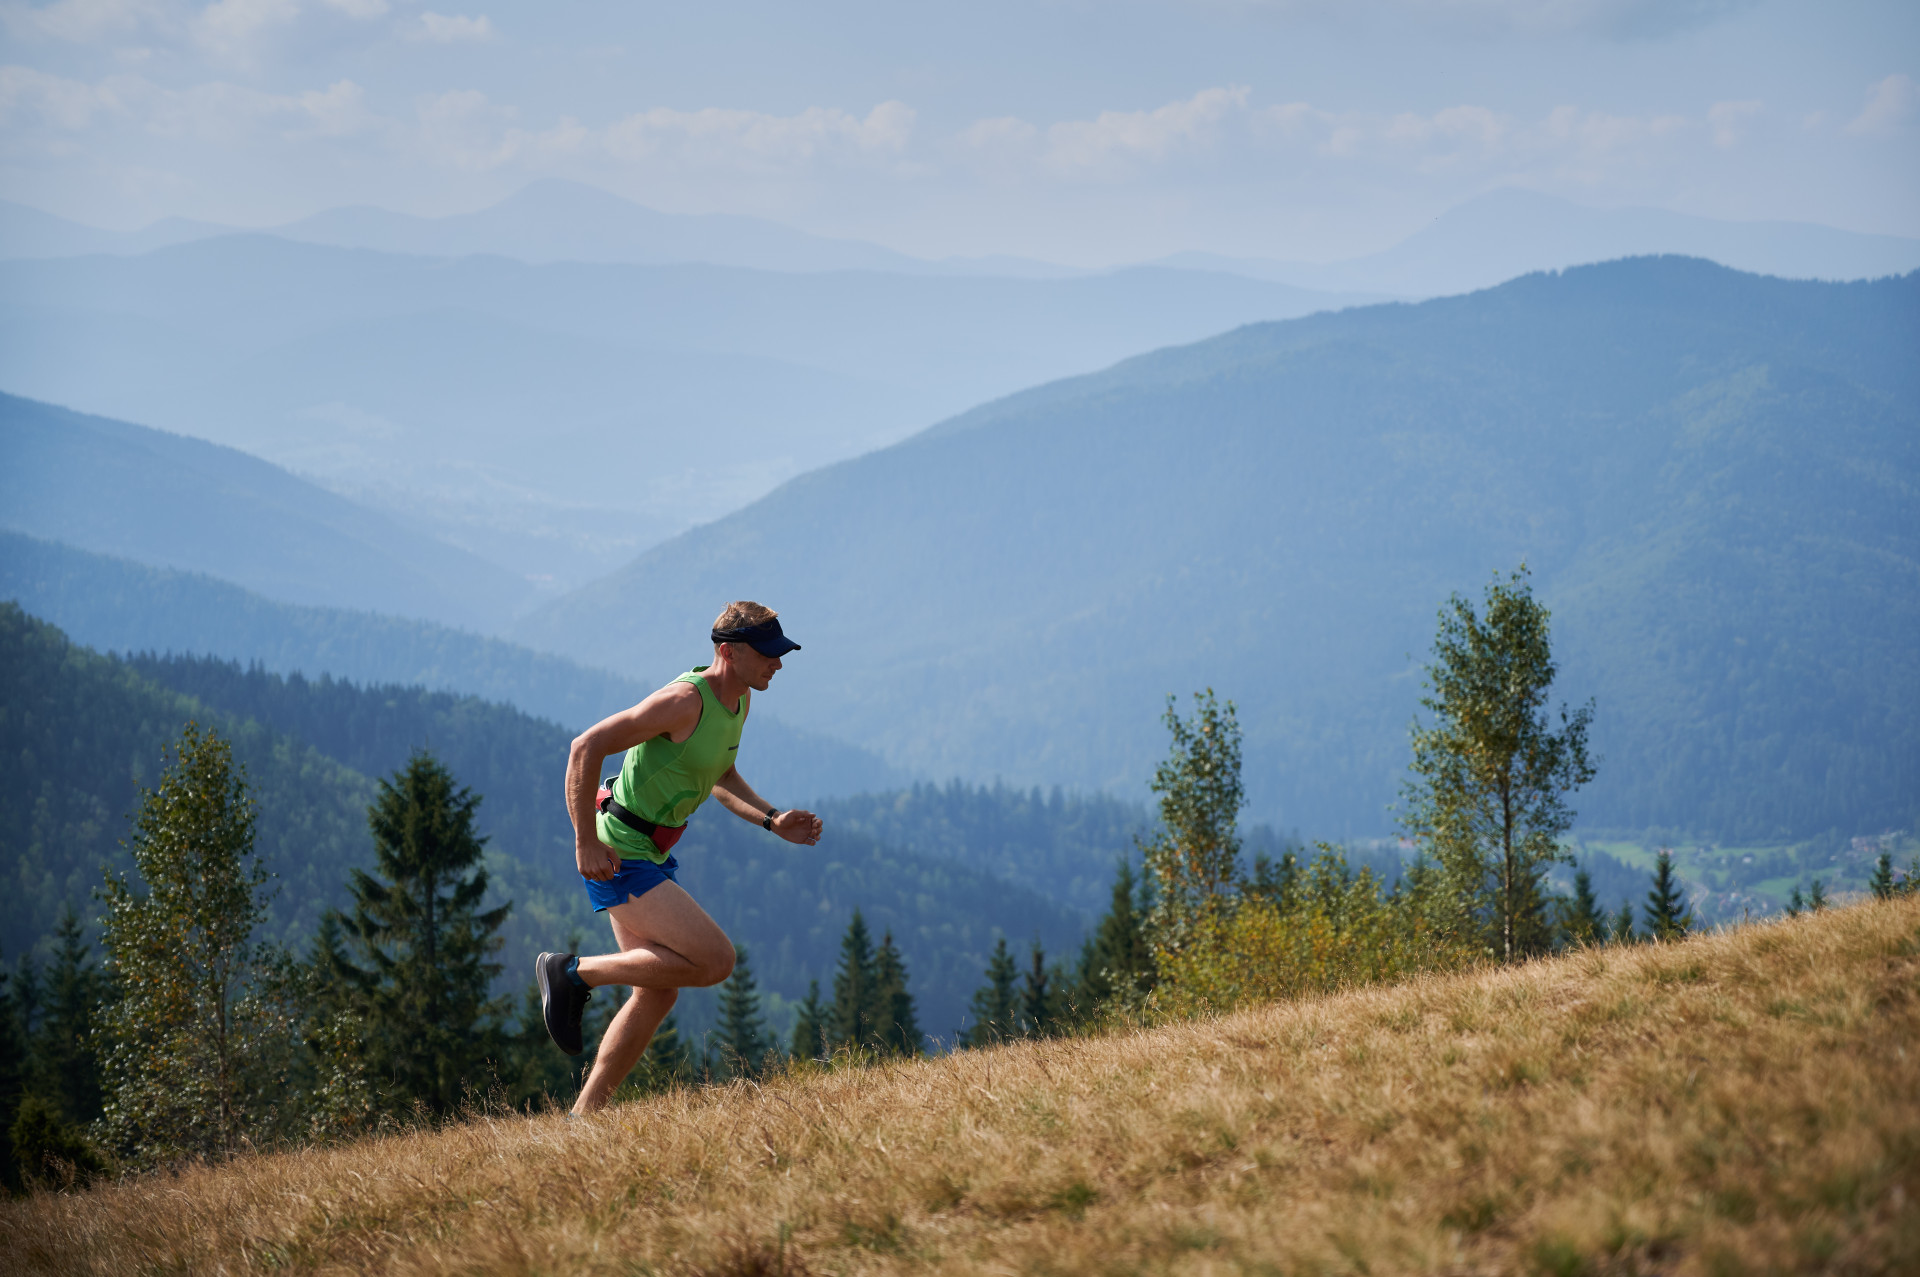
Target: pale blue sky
x: 1077, y: 131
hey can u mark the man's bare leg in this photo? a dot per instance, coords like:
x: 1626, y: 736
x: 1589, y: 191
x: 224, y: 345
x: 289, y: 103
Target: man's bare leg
x: 667, y: 943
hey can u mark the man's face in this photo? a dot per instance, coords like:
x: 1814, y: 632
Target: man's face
x: 758, y: 670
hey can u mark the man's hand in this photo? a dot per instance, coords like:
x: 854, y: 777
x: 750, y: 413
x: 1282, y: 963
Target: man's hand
x: 802, y: 827
x: 596, y: 860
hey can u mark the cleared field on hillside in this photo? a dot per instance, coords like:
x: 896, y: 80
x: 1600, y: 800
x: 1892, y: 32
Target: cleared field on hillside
x: 1742, y: 1102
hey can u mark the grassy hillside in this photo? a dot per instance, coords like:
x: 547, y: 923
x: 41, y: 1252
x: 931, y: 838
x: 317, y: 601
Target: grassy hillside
x: 118, y: 488
x: 1738, y: 1103
x: 1715, y: 478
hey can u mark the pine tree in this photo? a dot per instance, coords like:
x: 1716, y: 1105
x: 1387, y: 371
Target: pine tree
x: 1881, y: 883
x: 193, y: 1056
x: 1817, y: 896
x: 1622, y: 930
x: 1491, y: 776
x: 1584, y: 921
x: 423, y: 945
x: 1039, y: 996
x: 743, y: 1043
x: 65, y: 1064
x: 996, y: 1004
x: 810, y: 1026
x: 852, y: 1020
x: 1669, y: 917
x: 1796, y: 903
x: 1116, y: 964
x: 898, y: 1024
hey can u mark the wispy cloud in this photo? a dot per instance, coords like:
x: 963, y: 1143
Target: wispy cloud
x: 440, y: 28
x: 1891, y: 104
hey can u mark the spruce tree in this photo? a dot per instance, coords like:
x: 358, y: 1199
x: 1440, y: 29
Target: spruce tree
x: 13, y: 1076
x: 65, y: 1064
x: 898, y: 1025
x: 1881, y: 884
x: 1817, y: 896
x: 1622, y: 930
x: 1491, y: 775
x: 1669, y: 917
x: 810, y: 1026
x: 743, y: 1043
x: 1584, y: 921
x: 1116, y: 965
x: 853, y: 1020
x: 1796, y: 903
x: 420, y: 967
x: 996, y: 1004
x: 667, y: 1062
x: 1039, y: 996
x: 194, y: 1056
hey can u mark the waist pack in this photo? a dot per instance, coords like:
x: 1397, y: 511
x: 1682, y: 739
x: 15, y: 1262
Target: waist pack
x: 664, y: 836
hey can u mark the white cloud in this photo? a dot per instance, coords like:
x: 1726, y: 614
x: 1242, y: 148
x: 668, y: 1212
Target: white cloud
x: 86, y: 21
x: 1891, y: 103
x: 1726, y: 120
x: 1612, y: 19
x: 439, y: 28
x: 29, y: 97
x: 754, y: 141
x: 1114, y: 139
x: 364, y: 10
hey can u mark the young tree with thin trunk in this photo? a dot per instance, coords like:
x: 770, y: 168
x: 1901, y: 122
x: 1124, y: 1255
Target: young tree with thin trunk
x: 1491, y: 774
x: 1194, y: 861
x: 193, y: 1053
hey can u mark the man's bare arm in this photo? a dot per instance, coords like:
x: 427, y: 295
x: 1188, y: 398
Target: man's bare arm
x: 672, y: 711
x: 740, y: 798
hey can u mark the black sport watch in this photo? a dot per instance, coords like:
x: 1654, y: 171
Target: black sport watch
x: 768, y: 822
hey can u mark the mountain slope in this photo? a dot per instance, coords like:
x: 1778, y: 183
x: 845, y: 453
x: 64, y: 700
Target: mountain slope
x: 1712, y: 475
x: 168, y: 500
x: 117, y: 605
x: 1740, y: 1102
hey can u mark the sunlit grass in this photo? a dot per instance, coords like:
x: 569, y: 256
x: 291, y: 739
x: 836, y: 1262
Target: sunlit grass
x: 1743, y: 1102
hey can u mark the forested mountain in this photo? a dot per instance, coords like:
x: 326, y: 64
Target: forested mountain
x: 556, y: 418
x: 1711, y: 475
x: 165, y: 499
x: 84, y: 731
x: 114, y: 605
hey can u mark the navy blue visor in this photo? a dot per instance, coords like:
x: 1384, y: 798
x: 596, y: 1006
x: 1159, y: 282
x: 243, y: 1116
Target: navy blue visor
x: 764, y: 638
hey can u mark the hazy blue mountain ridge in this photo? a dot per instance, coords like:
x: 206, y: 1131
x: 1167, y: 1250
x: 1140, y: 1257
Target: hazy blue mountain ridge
x: 1279, y: 512
x: 174, y: 501
x: 115, y: 605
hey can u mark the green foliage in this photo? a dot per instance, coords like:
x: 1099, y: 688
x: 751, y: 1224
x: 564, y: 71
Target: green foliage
x: 743, y: 1046
x: 196, y: 1050
x: 1116, y: 969
x: 52, y: 1151
x: 1622, y: 930
x: 810, y: 1026
x: 1669, y: 916
x: 1582, y: 920
x: 667, y: 1062
x: 996, y: 1005
x: 1331, y: 929
x: 1885, y: 887
x: 416, y: 965
x: 898, y: 1027
x: 1490, y: 774
x: 13, y: 1073
x: 1194, y: 860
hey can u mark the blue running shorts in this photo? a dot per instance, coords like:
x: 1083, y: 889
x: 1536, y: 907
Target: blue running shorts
x: 636, y: 878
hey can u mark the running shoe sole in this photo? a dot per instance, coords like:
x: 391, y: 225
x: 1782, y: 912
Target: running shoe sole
x: 561, y: 1001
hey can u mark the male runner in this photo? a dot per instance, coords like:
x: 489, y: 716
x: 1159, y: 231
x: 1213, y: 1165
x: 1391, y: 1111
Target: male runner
x: 681, y: 743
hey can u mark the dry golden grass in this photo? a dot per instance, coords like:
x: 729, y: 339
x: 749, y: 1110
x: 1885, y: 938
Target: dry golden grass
x: 1745, y: 1102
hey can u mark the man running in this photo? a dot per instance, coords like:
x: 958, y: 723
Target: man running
x: 681, y: 743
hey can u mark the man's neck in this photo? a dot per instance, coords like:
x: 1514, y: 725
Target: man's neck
x: 727, y: 684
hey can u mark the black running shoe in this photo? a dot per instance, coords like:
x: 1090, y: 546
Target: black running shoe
x: 561, y: 1000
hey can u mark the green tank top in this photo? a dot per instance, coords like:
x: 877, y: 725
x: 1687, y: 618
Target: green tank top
x: 663, y: 782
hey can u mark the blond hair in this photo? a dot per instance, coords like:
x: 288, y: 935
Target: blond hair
x: 739, y: 615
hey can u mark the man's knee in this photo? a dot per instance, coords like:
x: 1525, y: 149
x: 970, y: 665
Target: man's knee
x: 719, y: 965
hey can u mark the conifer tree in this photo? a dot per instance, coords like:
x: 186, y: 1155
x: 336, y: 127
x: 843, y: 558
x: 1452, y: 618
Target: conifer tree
x: 1116, y: 965
x: 65, y: 1065
x: 13, y: 1075
x: 420, y: 968
x: 1817, y: 896
x: 668, y: 1060
x: 1881, y: 884
x: 1584, y: 921
x: 743, y: 1044
x: 1669, y: 917
x: 1622, y: 929
x: 1796, y: 903
x: 996, y: 1004
x: 1039, y: 996
x: 853, y: 1021
x: 898, y: 1031
x: 810, y: 1026
x: 193, y: 1051
x: 1491, y: 775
